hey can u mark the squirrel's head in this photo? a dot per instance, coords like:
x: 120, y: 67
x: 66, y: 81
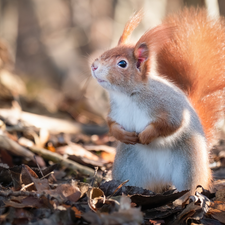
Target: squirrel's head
x: 126, y: 66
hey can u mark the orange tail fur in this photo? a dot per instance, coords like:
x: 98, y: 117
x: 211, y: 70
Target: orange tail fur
x: 195, y: 61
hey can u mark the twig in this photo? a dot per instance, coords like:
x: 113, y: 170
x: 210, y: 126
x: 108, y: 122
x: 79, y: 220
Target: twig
x: 95, y: 174
x: 30, y: 184
x: 117, y: 189
x: 38, y: 166
x: 56, y: 158
x: 14, y: 147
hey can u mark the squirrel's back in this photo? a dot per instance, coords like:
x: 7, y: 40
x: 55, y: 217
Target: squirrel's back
x: 195, y: 61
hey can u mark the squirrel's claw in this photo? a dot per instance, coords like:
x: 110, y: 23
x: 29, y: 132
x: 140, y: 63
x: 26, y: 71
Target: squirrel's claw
x: 148, y: 135
x: 122, y: 135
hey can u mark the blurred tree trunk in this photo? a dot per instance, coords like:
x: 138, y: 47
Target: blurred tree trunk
x: 174, y: 6
x: 9, y: 24
x: 212, y: 7
x: 221, y: 7
x: 195, y: 3
x: 155, y: 11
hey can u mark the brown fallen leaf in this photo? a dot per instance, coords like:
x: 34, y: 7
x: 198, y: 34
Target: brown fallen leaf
x: 87, y: 162
x: 217, y: 211
x: 220, y: 195
x: 94, y: 194
x: 153, y: 201
x: 6, y: 158
x: 77, y: 150
x: 161, y: 212
x: 107, y: 153
x: 27, y: 202
x: 5, y: 175
x: 220, y: 216
x: 40, y: 184
x: 99, y: 203
x: 109, y: 187
x: 209, y: 221
x: 125, y: 215
x: 66, y: 192
x: 18, y: 216
x: 198, y: 206
x: 156, y: 222
x: 77, y: 212
x: 104, y: 148
x: 83, y: 187
x: 21, y: 175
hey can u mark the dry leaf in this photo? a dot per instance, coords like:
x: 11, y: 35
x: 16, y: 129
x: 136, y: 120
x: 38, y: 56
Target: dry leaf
x: 107, y: 153
x: 41, y: 184
x: 198, y: 206
x: 217, y: 211
x: 157, y: 222
x: 110, y: 186
x: 66, y: 192
x: 153, y: 201
x: 25, y: 142
x: 78, y: 150
x: 125, y: 215
x: 220, y: 195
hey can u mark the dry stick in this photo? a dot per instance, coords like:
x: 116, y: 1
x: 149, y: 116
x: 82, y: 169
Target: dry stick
x: 14, y: 147
x: 56, y: 158
x: 30, y: 184
x: 95, y: 174
x: 121, y: 185
x: 38, y: 166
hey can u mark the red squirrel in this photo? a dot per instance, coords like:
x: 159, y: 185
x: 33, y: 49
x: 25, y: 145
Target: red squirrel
x: 166, y: 97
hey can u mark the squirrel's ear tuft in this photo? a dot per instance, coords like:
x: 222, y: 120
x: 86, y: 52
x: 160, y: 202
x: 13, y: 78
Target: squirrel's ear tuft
x: 130, y: 26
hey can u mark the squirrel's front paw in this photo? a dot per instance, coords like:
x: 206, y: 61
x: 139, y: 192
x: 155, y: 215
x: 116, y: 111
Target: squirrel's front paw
x: 148, y: 135
x: 124, y: 136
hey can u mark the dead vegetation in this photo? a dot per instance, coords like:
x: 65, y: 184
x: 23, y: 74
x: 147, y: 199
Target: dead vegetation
x: 53, y: 171
x: 55, y: 153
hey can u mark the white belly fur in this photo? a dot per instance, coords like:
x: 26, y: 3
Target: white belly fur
x: 156, y: 159
x: 128, y: 114
x: 158, y: 164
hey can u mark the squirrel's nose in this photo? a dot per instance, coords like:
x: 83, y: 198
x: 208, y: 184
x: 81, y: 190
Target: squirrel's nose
x: 94, y: 65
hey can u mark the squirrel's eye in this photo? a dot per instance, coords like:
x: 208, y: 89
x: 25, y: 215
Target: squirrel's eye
x: 122, y: 63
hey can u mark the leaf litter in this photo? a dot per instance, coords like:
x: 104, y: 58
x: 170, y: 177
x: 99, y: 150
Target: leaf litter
x: 48, y: 175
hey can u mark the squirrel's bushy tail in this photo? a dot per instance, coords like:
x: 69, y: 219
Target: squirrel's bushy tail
x: 195, y: 61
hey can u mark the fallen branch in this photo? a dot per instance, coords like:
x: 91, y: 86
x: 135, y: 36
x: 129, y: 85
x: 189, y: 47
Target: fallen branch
x: 10, y: 145
x: 56, y: 158
x: 13, y: 147
x: 54, y: 125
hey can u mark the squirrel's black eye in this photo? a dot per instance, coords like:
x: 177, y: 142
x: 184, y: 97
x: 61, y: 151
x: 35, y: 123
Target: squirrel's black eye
x: 122, y: 63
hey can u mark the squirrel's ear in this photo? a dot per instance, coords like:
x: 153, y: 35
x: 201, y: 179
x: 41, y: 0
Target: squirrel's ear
x: 151, y: 41
x: 141, y: 54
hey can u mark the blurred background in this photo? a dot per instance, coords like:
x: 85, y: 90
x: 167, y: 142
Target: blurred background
x: 51, y: 44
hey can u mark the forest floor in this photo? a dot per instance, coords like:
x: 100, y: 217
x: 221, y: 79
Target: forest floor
x: 51, y: 176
